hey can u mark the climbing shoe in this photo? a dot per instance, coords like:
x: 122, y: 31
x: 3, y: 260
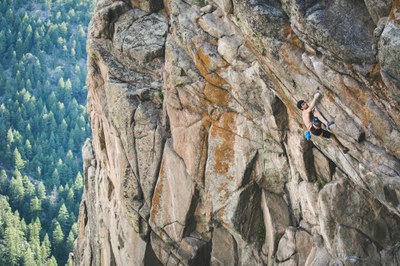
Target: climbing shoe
x: 330, y: 123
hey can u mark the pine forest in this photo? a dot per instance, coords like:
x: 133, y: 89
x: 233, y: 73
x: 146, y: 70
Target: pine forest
x: 43, y: 125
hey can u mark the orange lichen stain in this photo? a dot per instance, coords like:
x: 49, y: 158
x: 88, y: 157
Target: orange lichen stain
x: 220, y: 216
x: 292, y: 58
x: 216, y: 95
x: 224, y: 150
x: 222, y: 187
x: 292, y: 37
x: 208, y: 61
x: 352, y: 95
x: 213, y: 78
x: 155, y: 202
x: 395, y: 9
x: 208, y: 67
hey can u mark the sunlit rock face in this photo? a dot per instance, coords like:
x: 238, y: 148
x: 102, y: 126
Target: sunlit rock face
x: 198, y: 155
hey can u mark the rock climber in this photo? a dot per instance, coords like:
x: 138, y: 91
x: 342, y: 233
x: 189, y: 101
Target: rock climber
x: 313, y: 120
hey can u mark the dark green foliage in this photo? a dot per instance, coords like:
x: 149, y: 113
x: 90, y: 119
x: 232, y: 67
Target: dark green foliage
x: 43, y: 126
x: 260, y: 232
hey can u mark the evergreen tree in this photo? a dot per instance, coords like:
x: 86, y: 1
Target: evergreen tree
x: 3, y: 181
x: 18, y: 161
x: 45, y: 248
x: 13, y: 248
x: 29, y: 258
x: 70, y: 241
x: 58, y: 235
x: 63, y: 217
x: 51, y: 261
x: 17, y: 191
x: 35, y: 207
x: 28, y: 187
x: 41, y: 191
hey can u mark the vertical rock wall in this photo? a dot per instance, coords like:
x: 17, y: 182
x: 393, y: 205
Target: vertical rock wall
x: 198, y: 155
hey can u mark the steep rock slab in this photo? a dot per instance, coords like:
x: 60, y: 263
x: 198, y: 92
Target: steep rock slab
x: 224, y: 250
x: 172, y: 197
x: 124, y: 108
x: 343, y: 29
x: 276, y: 220
x: 233, y: 73
x: 369, y: 227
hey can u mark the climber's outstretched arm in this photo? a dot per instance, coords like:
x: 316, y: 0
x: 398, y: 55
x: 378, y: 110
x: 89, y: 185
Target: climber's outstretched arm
x: 313, y: 103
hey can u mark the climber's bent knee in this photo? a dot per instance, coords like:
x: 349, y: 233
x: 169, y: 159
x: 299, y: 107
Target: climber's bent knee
x: 320, y: 132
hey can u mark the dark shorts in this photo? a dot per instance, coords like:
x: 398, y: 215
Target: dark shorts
x: 318, y: 131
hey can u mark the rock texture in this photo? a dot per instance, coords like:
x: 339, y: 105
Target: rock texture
x: 198, y: 155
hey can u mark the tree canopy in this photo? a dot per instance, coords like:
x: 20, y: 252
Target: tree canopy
x: 43, y: 126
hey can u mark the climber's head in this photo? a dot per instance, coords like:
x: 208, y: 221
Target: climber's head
x: 302, y: 105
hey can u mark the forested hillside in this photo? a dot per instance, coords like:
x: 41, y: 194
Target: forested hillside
x: 43, y: 126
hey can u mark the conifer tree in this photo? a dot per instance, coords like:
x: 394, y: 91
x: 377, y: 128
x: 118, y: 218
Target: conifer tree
x: 29, y: 258
x: 63, y: 217
x: 70, y: 241
x: 35, y: 207
x: 17, y: 191
x: 18, y: 161
x: 41, y: 191
x: 51, y: 261
x: 45, y: 248
x: 3, y: 181
x: 58, y: 235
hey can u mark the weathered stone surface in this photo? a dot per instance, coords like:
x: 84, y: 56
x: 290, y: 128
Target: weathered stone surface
x: 228, y: 48
x: 308, y: 196
x: 350, y: 38
x: 304, y: 244
x: 287, y: 245
x: 224, y: 248
x: 225, y: 5
x: 353, y: 247
x: 172, y: 197
x: 380, y: 229
x: 102, y: 24
x: 324, y: 167
x: 134, y: 40
x: 148, y: 5
x: 194, y: 251
x: 198, y: 155
x: 388, y: 56
x: 216, y: 26
x: 378, y: 8
x: 276, y: 219
x: 318, y: 255
x: 391, y: 256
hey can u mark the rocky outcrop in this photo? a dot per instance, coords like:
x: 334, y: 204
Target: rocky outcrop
x: 198, y: 155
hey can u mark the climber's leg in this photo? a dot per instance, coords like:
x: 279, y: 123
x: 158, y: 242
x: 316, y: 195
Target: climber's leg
x: 322, y: 118
x: 328, y: 135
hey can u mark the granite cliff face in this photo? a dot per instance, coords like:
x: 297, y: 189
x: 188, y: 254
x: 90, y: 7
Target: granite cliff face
x: 198, y: 155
